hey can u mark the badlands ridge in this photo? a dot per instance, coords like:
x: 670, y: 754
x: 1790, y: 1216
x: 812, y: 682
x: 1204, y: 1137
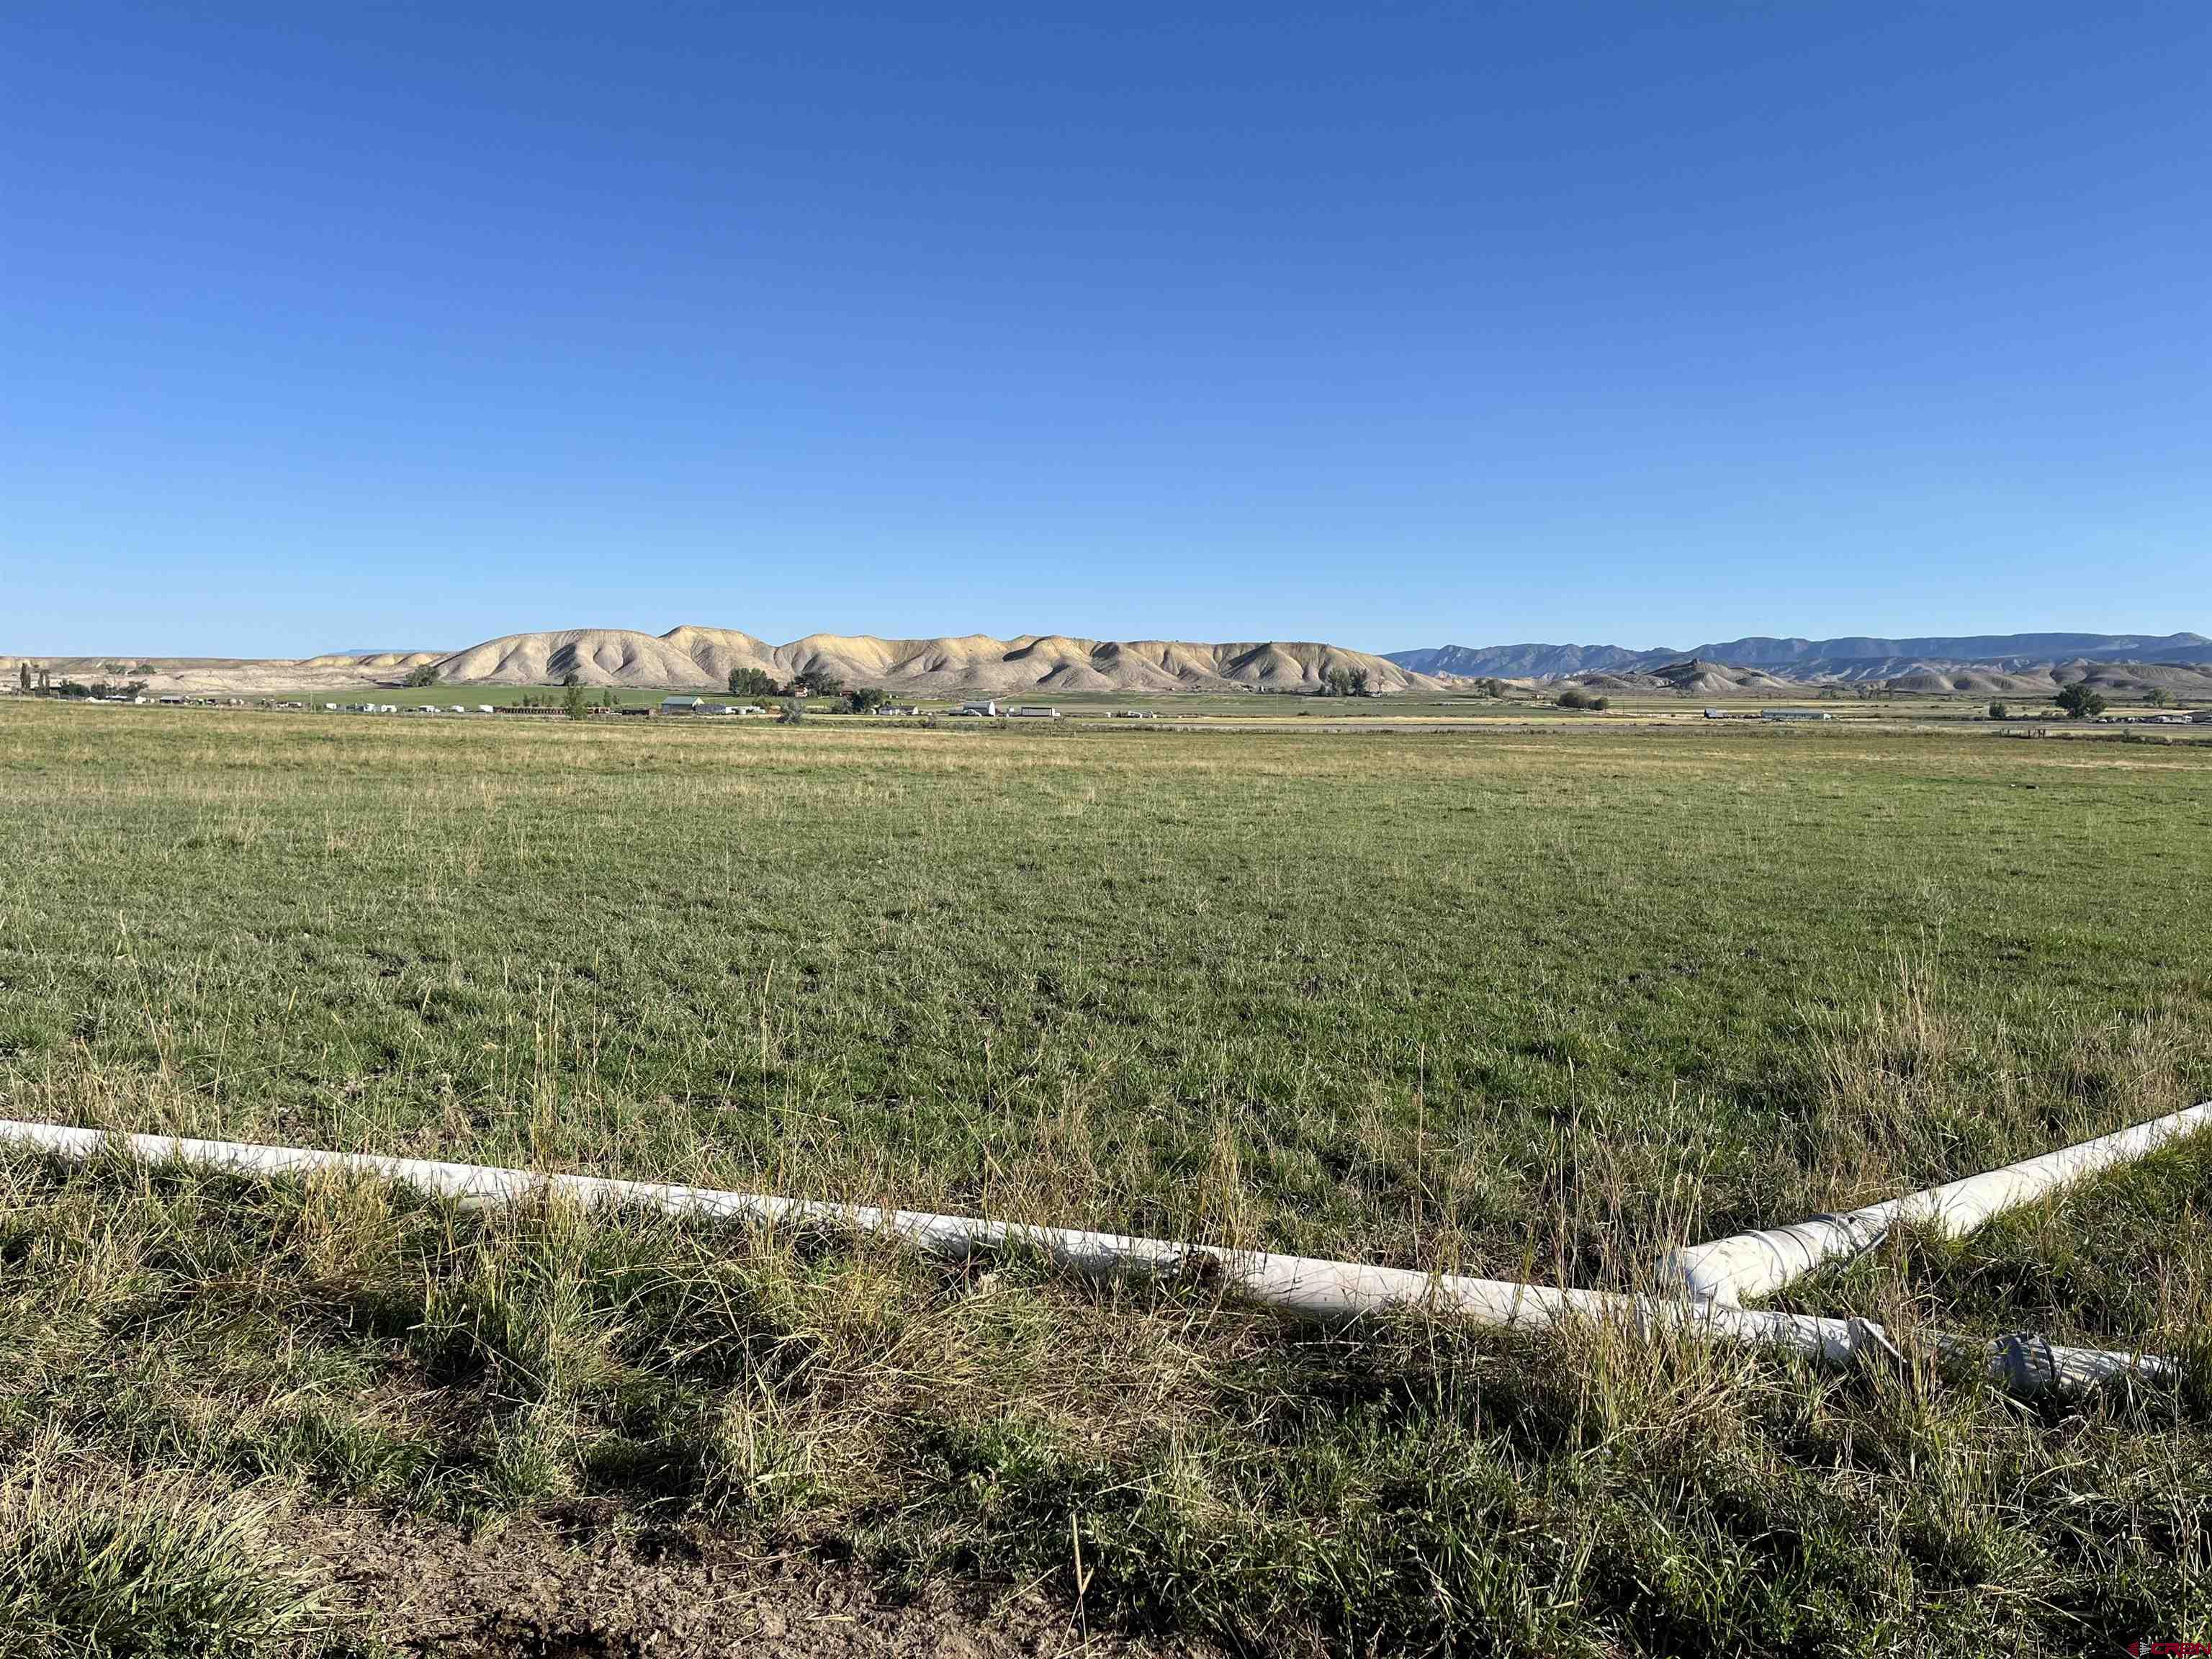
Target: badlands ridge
x: 694, y: 657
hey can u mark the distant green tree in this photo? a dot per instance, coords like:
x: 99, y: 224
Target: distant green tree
x: 23, y: 676
x: 426, y: 674
x: 572, y: 677
x: 2156, y: 697
x: 1361, y: 684
x: 818, y: 682
x: 1574, y: 697
x: 2080, y: 700
x: 572, y: 702
x: 793, y: 712
x: 753, y: 683
x: 1999, y: 712
x: 1335, y: 682
x: 866, y: 699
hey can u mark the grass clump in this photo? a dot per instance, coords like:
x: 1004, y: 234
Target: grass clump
x: 117, y: 1566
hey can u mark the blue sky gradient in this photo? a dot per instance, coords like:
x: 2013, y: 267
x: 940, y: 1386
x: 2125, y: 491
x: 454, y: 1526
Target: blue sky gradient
x: 1390, y: 325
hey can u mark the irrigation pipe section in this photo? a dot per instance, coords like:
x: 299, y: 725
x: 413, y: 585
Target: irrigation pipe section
x: 1753, y: 1264
x: 1302, y: 1284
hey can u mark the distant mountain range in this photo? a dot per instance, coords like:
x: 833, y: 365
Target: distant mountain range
x: 1853, y: 658
x: 693, y: 657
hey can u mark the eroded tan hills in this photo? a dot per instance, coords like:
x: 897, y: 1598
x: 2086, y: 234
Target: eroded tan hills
x: 690, y: 656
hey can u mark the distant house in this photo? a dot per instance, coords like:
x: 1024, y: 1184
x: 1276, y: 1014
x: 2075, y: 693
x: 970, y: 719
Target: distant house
x: 1035, y: 713
x: 682, y: 705
x: 1794, y: 714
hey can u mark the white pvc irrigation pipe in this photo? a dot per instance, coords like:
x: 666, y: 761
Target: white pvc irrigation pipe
x: 1753, y: 1264
x: 1303, y: 1284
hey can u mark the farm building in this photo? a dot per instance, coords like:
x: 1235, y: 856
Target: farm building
x: 1794, y: 714
x: 682, y: 705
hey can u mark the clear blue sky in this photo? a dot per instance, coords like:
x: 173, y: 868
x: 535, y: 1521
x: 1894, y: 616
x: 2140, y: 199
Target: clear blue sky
x: 1648, y: 323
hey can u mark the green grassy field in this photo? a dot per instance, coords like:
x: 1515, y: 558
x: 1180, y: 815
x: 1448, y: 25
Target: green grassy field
x: 1529, y: 1004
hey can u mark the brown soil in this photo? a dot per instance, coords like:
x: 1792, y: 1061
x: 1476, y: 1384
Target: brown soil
x: 565, y: 1587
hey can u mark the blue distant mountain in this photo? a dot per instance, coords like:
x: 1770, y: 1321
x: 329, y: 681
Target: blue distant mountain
x: 1852, y: 656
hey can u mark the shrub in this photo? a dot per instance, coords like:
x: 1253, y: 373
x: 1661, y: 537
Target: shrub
x: 424, y: 674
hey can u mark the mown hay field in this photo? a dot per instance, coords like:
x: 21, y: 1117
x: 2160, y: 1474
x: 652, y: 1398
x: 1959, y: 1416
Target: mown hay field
x: 1529, y: 1004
